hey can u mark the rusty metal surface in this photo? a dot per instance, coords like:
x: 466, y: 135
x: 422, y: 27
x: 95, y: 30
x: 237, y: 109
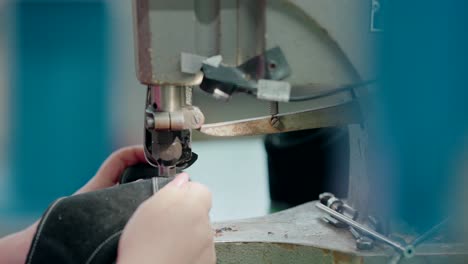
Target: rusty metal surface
x: 337, y: 115
x: 298, y: 235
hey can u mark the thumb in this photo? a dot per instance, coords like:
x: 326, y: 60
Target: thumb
x: 179, y: 180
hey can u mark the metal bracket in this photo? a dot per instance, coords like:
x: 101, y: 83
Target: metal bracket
x: 222, y: 81
x: 336, y: 115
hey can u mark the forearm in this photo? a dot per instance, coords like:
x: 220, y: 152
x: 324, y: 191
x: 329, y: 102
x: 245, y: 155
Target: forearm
x: 14, y: 248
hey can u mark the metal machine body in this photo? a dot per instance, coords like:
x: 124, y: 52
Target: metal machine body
x: 239, y: 31
x: 223, y: 46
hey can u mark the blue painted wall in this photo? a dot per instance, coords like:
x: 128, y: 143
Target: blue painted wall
x: 60, y: 131
x: 424, y: 104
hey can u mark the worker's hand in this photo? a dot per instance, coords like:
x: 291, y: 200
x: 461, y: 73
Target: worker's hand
x: 110, y: 171
x: 171, y: 227
x: 15, y: 247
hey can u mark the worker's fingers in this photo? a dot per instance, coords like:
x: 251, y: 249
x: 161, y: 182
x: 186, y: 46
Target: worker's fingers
x: 182, y: 212
x: 179, y: 180
x: 183, y: 194
x: 193, y: 195
x: 207, y: 255
x: 200, y: 196
x: 110, y: 171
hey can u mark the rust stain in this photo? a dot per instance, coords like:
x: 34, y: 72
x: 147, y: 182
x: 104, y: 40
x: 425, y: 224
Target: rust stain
x: 339, y: 257
x: 326, y: 252
x: 240, y: 130
x: 219, y: 231
x: 287, y: 246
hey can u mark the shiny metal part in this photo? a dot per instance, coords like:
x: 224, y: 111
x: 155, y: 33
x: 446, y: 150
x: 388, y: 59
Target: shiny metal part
x: 338, y: 205
x: 337, y: 115
x: 167, y: 171
x: 169, y: 118
x: 169, y: 98
x: 331, y: 201
x: 406, y: 251
x: 169, y: 108
x: 189, y: 117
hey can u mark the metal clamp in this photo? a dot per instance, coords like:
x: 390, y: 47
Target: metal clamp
x: 222, y: 81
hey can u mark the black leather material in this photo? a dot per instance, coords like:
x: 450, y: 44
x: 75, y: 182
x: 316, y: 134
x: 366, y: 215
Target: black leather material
x: 86, y: 228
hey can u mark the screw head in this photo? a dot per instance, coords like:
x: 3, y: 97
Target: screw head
x: 275, y: 122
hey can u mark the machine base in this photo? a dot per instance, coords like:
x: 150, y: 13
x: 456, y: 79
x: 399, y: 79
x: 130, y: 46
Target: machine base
x: 299, y: 235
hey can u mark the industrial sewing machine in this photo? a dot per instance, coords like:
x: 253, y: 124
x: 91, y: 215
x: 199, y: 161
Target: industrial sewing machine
x: 258, y: 48
x: 316, y: 52
x: 319, y: 52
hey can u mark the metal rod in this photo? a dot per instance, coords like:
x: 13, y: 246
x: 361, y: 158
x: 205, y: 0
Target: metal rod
x: 407, y: 251
x: 430, y: 232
